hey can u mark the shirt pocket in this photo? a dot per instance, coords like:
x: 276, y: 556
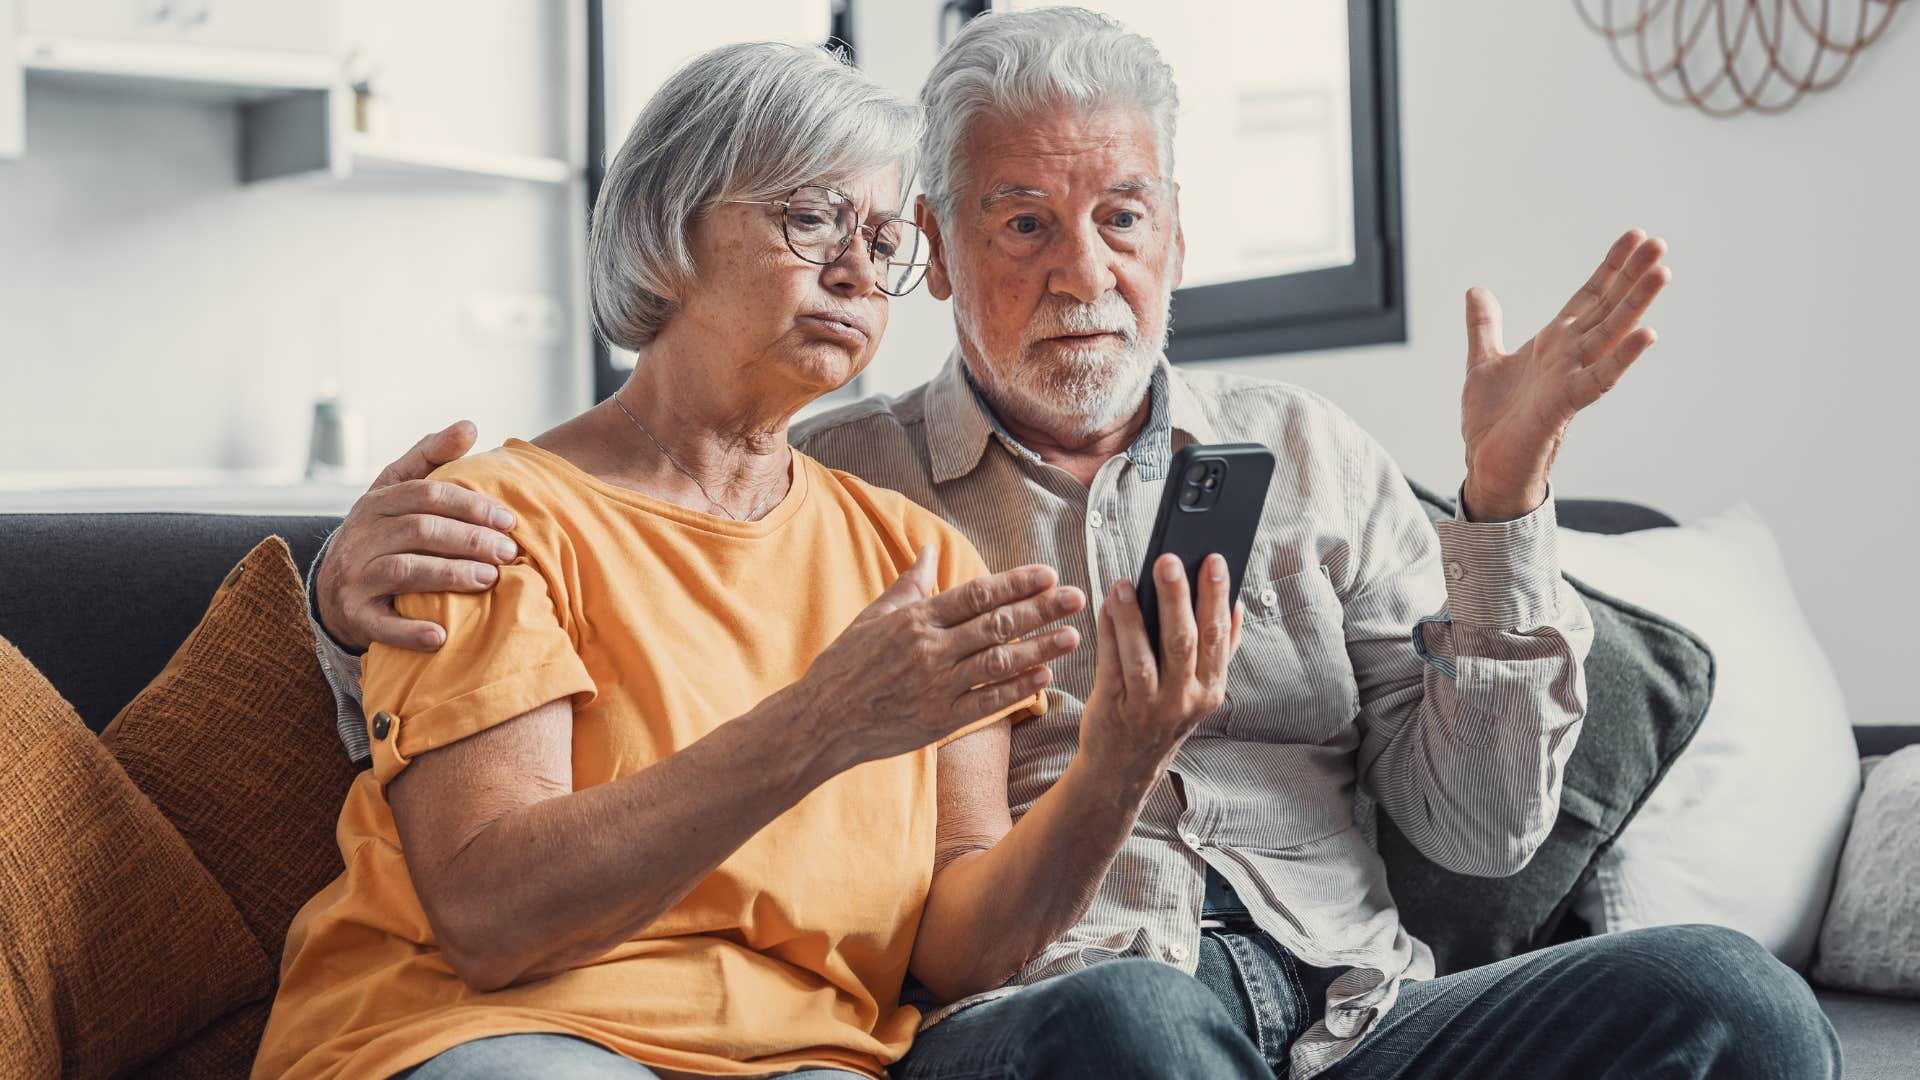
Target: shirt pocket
x: 1291, y: 680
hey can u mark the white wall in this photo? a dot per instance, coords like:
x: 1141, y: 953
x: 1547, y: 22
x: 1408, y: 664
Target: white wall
x: 1786, y: 369
x: 157, y: 314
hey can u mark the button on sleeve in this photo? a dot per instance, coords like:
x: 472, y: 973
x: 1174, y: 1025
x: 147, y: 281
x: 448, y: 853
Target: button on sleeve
x: 506, y: 654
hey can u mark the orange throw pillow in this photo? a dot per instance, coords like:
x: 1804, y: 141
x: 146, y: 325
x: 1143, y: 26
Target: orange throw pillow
x: 234, y: 742
x: 115, y: 944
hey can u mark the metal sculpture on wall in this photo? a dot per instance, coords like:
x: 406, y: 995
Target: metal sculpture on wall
x: 1726, y: 57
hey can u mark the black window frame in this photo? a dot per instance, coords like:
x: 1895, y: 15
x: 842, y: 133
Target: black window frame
x: 607, y: 379
x: 1361, y: 303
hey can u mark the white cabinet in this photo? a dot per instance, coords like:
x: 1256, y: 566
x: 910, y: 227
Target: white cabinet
x: 302, y: 26
x: 277, y: 60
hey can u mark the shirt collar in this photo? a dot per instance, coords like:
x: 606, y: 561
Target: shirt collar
x: 957, y: 422
x: 960, y: 423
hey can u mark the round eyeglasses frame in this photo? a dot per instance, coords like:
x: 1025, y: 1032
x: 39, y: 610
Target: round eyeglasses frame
x: 848, y: 224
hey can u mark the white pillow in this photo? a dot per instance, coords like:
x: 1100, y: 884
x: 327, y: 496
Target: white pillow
x: 1745, y: 829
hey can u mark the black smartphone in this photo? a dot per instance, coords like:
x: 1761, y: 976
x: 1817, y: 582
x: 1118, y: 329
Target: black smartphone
x: 1211, y: 503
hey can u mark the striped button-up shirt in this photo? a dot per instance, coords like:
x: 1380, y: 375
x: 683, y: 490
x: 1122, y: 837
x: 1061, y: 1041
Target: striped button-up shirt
x: 1436, y: 677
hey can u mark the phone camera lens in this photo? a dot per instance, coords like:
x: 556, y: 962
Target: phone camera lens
x: 1189, y: 496
x: 1194, y: 474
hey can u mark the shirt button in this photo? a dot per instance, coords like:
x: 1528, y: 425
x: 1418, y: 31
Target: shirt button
x: 1268, y: 597
x: 1455, y: 571
x: 1192, y: 839
x: 382, y: 723
x: 1095, y: 519
x: 1177, y: 952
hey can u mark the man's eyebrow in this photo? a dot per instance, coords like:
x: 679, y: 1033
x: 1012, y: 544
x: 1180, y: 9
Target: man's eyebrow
x: 1009, y: 191
x: 1138, y: 183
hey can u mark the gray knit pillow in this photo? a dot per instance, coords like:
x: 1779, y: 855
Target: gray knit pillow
x: 1870, y: 940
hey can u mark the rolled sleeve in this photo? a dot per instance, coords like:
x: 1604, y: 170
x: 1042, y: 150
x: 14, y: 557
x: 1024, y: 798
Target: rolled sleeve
x: 340, y: 666
x: 506, y: 654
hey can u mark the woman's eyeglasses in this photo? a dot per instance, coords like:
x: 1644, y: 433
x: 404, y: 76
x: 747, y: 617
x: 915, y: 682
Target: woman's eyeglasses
x: 819, y: 224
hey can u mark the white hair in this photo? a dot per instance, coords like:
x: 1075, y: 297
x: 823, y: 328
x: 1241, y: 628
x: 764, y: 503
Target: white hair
x: 1011, y: 63
x: 748, y: 121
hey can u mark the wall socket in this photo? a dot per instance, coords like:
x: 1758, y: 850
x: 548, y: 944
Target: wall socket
x: 515, y: 318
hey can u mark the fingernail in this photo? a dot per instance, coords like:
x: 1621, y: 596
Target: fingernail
x: 487, y: 574
x: 1169, y: 570
x: 1217, y: 567
x: 502, y: 519
x: 1064, y: 638
x: 1124, y: 590
x: 506, y: 549
x: 436, y: 637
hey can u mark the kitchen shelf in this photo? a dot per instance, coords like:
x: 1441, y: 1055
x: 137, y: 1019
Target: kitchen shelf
x: 199, y: 71
x: 293, y: 108
x: 384, y: 159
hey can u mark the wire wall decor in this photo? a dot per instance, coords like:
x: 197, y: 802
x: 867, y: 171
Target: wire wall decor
x: 1727, y: 57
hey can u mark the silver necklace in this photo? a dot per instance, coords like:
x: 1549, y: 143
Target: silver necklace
x: 671, y: 460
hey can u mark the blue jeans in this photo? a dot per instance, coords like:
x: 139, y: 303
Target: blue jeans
x: 563, y: 1057
x: 1680, y: 1001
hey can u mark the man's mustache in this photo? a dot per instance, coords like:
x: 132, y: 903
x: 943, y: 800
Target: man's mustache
x: 1110, y: 315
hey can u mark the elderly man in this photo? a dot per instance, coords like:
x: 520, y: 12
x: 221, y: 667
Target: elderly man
x: 1189, y: 890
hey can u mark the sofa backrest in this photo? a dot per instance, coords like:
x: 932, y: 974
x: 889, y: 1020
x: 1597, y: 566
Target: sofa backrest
x: 99, y: 602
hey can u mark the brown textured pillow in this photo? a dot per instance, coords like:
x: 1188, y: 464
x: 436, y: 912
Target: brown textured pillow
x: 115, y: 943
x: 225, y: 1048
x: 234, y: 742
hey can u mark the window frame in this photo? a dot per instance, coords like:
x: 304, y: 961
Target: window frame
x: 1361, y: 303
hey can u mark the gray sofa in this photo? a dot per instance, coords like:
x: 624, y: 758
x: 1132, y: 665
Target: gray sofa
x: 100, y: 601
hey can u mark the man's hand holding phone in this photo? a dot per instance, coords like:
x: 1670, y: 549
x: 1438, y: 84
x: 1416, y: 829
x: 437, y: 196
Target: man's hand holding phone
x: 1142, y: 709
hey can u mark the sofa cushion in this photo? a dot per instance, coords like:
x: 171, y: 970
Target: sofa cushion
x: 1870, y: 939
x: 234, y: 742
x: 1746, y: 829
x: 1879, y: 1036
x: 116, y: 944
x: 223, y: 1049
x: 1648, y: 684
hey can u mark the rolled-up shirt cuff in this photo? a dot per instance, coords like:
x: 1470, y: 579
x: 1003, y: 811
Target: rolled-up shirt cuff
x: 341, y: 668
x: 313, y: 608
x: 1502, y: 575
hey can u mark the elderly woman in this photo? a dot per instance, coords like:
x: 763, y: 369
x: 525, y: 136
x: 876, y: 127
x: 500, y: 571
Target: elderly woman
x: 664, y: 802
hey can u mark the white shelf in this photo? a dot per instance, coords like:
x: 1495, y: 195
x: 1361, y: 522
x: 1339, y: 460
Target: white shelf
x: 207, y: 491
x: 293, y: 106
x: 192, y: 70
x: 381, y: 158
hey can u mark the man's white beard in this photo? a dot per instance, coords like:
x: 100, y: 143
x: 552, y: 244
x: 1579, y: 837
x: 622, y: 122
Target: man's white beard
x: 1074, y: 393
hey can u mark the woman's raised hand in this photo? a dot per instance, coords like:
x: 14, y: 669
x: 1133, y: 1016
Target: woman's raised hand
x: 916, y: 666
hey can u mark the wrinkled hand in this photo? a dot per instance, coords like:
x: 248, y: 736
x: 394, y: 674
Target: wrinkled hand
x: 915, y: 667
x: 408, y: 534
x: 1516, y: 406
x: 1141, y: 710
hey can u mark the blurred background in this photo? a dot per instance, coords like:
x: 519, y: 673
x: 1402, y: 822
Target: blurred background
x: 251, y: 251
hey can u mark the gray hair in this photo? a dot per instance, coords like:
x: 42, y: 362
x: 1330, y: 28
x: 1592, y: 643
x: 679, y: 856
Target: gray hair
x: 748, y: 121
x: 1006, y: 64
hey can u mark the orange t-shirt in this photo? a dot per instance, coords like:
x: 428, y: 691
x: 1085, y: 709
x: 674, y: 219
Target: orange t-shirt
x: 660, y: 623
